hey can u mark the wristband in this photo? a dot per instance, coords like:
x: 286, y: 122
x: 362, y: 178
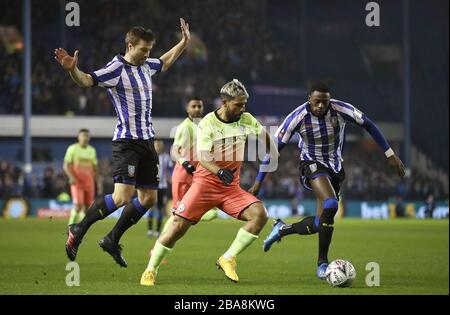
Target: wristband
x: 389, y: 152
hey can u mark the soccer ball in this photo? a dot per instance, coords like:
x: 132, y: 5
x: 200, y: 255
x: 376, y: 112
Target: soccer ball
x: 340, y: 273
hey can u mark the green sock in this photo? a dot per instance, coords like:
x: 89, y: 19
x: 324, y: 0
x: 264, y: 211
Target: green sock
x: 168, y: 223
x: 73, y: 216
x: 159, y: 253
x: 241, y: 242
x: 210, y: 215
x: 81, y: 216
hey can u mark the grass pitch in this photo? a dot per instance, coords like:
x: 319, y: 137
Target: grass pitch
x: 413, y: 256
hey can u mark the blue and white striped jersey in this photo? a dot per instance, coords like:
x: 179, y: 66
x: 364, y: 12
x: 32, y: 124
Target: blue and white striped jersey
x: 321, y: 138
x: 130, y: 91
x: 164, y: 170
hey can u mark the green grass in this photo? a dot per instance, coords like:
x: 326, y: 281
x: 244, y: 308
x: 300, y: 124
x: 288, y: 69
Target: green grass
x: 413, y: 257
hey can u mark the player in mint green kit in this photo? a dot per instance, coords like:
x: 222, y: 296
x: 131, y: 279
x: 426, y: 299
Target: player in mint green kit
x: 80, y: 166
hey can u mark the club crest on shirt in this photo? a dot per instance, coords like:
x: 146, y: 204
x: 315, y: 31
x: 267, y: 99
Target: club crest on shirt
x: 181, y: 207
x: 313, y: 167
x: 131, y: 170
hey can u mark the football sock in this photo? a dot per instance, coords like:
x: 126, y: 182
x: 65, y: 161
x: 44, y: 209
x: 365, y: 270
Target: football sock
x: 73, y: 216
x: 159, y: 253
x: 99, y: 210
x: 325, y: 228
x: 80, y: 216
x: 209, y: 215
x: 304, y: 227
x: 242, y: 241
x: 131, y: 214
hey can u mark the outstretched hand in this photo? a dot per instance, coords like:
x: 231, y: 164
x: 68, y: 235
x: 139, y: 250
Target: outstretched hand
x: 397, y: 164
x: 185, y: 33
x: 65, y: 60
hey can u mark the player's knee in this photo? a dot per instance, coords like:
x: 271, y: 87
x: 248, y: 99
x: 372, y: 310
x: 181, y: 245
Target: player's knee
x: 121, y: 199
x: 148, y: 200
x: 263, y: 217
x: 331, y: 203
x: 259, y: 215
x: 330, y: 208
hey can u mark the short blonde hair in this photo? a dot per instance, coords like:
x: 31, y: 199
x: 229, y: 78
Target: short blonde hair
x: 233, y: 89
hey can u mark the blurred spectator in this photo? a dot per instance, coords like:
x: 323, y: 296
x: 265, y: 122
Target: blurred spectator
x: 48, y: 183
x: 399, y: 208
x: 9, y: 180
x: 430, y: 205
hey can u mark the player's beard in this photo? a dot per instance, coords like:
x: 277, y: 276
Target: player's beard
x: 235, y: 117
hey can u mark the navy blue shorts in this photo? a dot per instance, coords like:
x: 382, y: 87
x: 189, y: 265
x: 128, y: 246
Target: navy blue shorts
x: 311, y: 170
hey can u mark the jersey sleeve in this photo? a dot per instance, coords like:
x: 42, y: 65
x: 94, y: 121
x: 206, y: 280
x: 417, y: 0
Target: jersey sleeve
x: 289, y: 126
x: 109, y: 75
x: 155, y: 65
x: 68, y: 157
x: 350, y: 113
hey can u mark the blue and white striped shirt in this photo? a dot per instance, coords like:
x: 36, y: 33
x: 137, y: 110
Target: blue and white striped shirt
x: 321, y: 138
x: 130, y: 91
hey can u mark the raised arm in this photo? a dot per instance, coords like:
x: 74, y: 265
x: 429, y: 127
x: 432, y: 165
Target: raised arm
x: 172, y: 55
x: 69, y: 64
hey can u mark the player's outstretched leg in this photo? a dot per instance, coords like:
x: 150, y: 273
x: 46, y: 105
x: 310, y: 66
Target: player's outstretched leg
x: 274, y: 235
x: 325, y: 229
x: 131, y: 214
x: 163, y: 246
x: 280, y: 229
x: 99, y: 210
x: 256, y: 215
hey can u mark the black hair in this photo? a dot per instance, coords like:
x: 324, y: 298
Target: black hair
x: 319, y: 87
x: 83, y: 130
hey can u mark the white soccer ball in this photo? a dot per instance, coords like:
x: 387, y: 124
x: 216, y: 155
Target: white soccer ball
x: 340, y: 273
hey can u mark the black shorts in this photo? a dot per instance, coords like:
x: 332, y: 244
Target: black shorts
x: 135, y: 162
x: 311, y: 170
